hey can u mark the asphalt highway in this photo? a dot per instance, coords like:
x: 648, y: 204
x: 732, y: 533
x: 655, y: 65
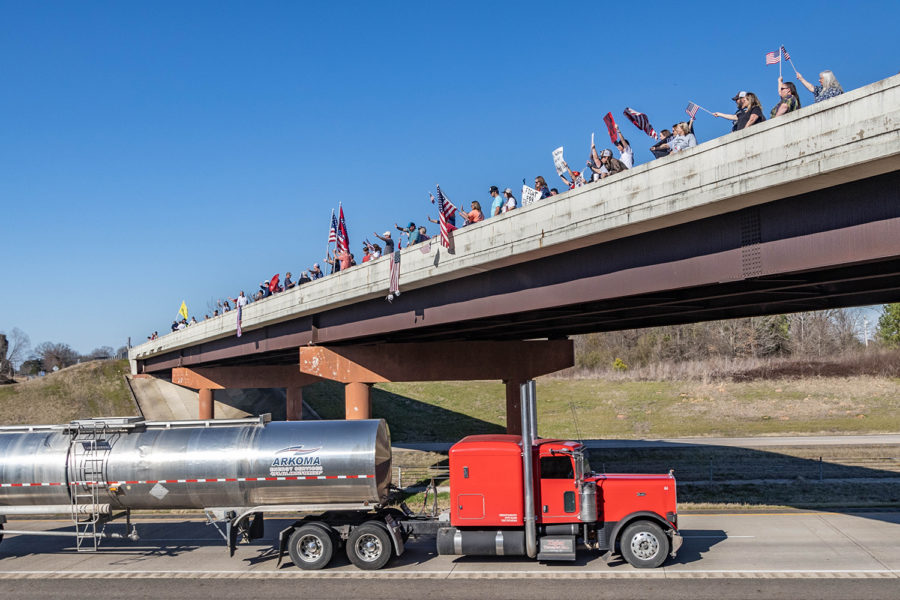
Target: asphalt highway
x: 775, y: 555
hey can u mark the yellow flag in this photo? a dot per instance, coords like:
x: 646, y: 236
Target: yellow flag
x: 183, y: 310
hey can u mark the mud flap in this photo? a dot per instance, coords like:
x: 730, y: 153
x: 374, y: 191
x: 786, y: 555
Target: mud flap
x: 283, y: 542
x: 676, y: 542
x: 396, y: 533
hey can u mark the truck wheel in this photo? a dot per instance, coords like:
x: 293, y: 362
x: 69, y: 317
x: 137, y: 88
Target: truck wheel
x: 369, y: 547
x: 311, y: 547
x: 644, y: 545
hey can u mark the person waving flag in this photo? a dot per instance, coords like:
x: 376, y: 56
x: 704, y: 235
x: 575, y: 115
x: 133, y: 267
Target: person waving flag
x: 332, y: 233
x: 446, y: 211
x: 343, y: 238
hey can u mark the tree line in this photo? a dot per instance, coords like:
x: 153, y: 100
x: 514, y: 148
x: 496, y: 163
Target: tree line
x: 18, y: 357
x: 818, y: 334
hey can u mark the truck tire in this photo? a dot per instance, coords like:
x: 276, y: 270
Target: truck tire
x: 369, y: 546
x: 644, y: 545
x: 311, y: 546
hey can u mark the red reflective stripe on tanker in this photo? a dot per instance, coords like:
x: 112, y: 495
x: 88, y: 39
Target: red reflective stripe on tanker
x: 202, y: 480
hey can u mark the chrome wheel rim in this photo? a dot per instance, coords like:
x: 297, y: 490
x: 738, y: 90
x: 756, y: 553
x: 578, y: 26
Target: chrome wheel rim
x: 309, y: 547
x: 644, y: 545
x: 368, y: 547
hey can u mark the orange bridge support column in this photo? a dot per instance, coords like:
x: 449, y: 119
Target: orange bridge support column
x: 513, y: 406
x: 294, y: 408
x: 357, y: 400
x: 207, y: 404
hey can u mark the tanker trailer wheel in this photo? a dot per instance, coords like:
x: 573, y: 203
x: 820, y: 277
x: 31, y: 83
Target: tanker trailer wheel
x: 644, y: 545
x: 369, y: 546
x: 311, y: 547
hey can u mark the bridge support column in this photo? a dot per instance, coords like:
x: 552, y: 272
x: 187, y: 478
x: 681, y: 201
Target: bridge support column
x: 207, y: 404
x: 513, y: 406
x: 357, y: 400
x: 294, y: 407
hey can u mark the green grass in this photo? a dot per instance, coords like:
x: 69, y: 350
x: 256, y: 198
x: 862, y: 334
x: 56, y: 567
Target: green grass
x: 82, y: 391
x: 447, y: 411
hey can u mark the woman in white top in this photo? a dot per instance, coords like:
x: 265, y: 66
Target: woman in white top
x: 510, y: 200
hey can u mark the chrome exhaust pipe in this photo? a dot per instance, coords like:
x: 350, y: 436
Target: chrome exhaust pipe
x: 527, y: 401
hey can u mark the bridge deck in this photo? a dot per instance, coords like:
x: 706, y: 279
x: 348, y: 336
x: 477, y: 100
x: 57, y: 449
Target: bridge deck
x: 719, y: 230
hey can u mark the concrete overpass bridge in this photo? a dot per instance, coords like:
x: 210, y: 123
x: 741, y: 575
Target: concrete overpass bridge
x: 798, y: 213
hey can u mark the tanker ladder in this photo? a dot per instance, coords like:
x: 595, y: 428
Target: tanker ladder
x: 88, y: 454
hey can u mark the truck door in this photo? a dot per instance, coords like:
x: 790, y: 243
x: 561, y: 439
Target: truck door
x: 558, y: 498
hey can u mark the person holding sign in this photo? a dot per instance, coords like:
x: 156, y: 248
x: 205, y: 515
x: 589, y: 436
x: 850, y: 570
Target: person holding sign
x: 540, y: 184
x: 577, y: 179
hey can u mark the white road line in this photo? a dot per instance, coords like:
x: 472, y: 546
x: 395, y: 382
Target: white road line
x: 457, y: 574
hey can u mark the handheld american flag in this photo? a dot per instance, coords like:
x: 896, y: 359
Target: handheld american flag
x: 692, y: 109
x: 640, y: 121
x: 785, y: 54
x: 394, y: 286
x: 332, y: 233
x: 773, y: 58
x: 446, y: 211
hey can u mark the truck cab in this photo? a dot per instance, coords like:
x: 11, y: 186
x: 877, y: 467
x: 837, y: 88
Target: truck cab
x: 633, y: 513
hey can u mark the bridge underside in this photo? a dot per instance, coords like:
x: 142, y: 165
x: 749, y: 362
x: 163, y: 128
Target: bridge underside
x: 835, y: 247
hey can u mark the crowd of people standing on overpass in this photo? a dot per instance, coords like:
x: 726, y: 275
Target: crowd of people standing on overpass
x: 599, y: 165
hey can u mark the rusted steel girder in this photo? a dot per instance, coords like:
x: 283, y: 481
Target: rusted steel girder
x: 237, y: 377
x: 437, y: 361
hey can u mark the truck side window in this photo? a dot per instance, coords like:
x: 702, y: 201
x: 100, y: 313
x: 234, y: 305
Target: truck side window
x: 556, y: 467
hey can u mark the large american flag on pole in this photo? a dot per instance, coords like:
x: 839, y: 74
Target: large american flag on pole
x: 640, y: 121
x: 446, y: 211
x: 343, y: 239
x: 332, y: 233
x: 394, y: 286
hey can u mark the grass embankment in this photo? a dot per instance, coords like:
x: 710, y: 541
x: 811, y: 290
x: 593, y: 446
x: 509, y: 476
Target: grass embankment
x: 447, y: 411
x: 92, y: 389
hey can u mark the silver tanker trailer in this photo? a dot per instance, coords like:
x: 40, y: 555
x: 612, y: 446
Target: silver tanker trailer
x: 98, y: 470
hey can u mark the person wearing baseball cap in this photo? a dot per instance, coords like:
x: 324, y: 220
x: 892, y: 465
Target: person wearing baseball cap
x: 607, y: 164
x: 497, y: 204
x: 741, y: 99
x: 388, y: 242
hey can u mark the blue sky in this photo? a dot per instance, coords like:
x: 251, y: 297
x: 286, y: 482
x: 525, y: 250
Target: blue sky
x: 157, y: 152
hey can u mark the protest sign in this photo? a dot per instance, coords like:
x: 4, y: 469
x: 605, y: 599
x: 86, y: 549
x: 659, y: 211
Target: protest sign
x: 558, y: 161
x: 529, y: 195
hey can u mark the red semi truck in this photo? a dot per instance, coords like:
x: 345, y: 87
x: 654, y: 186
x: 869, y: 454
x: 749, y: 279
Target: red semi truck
x: 490, y: 503
x: 510, y: 495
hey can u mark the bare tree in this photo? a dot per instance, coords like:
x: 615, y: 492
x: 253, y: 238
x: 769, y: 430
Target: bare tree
x: 55, y: 355
x: 18, y: 349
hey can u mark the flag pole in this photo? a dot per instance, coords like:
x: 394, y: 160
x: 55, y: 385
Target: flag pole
x: 779, y: 62
x: 330, y: 224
